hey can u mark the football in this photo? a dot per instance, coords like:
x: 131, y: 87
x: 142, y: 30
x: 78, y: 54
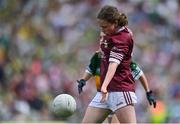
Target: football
x: 64, y: 105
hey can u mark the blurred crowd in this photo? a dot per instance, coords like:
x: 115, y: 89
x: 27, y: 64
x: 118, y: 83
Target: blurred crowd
x: 45, y: 46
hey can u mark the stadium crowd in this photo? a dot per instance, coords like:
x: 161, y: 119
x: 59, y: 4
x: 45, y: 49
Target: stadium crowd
x: 45, y: 46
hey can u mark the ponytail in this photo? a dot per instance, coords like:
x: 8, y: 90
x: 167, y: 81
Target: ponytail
x: 122, y: 20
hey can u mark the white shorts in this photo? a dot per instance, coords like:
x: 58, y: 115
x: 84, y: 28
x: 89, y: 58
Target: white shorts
x: 115, y: 100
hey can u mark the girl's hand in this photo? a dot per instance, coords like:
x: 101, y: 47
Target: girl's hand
x: 104, y: 94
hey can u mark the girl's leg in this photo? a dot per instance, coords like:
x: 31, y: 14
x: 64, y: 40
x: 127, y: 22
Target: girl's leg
x: 112, y: 119
x: 126, y: 114
x: 109, y: 118
x: 95, y: 115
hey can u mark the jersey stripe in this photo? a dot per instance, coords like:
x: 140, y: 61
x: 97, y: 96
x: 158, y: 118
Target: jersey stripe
x: 125, y: 97
x: 130, y: 98
x: 116, y: 55
x: 114, y: 60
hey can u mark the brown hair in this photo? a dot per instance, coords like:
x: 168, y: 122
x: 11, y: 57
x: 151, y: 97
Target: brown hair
x: 112, y: 15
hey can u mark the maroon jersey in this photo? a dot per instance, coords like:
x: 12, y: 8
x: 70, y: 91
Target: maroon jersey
x: 118, y: 48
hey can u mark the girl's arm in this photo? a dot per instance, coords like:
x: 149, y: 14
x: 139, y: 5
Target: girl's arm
x: 86, y: 76
x: 144, y: 82
x: 109, y: 75
x: 149, y: 93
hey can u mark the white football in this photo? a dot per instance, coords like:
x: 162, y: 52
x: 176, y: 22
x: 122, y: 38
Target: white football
x: 64, y: 105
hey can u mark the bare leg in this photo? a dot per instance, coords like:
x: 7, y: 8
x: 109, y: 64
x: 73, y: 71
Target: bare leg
x: 126, y: 114
x: 95, y: 115
x: 113, y: 119
x: 109, y: 118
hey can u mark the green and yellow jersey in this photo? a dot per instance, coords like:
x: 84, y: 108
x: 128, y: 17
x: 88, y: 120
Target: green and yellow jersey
x: 94, y: 68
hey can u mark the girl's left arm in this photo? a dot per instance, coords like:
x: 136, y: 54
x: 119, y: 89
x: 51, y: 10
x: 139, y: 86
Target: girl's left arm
x: 109, y: 75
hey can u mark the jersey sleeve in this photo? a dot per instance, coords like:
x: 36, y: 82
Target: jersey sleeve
x: 91, y: 68
x: 118, y: 51
x: 136, y: 71
x: 88, y: 70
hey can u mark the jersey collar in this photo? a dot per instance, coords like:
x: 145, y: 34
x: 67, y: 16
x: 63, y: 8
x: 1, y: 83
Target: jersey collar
x: 120, y: 29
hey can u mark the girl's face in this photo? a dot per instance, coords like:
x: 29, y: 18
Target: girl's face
x: 106, y: 27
